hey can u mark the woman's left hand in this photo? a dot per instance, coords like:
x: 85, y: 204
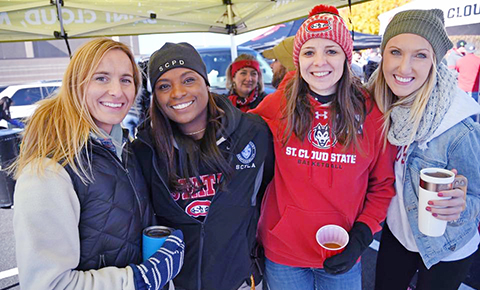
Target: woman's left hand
x: 450, y: 208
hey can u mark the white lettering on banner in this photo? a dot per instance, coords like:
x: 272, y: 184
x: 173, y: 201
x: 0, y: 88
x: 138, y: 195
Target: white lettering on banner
x: 92, y: 15
x: 53, y: 16
x: 4, y: 19
x: 119, y: 17
x: 466, y: 10
x: 116, y: 17
x: 68, y: 16
x: 49, y: 16
x: 83, y: 16
x: 33, y: 17
x: 37, y: 17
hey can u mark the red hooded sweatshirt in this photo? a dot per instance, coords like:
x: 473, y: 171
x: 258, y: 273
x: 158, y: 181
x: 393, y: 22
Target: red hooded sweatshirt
x: 317, y: 183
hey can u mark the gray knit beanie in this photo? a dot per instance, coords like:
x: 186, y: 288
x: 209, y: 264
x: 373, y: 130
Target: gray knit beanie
x: 428, y: 24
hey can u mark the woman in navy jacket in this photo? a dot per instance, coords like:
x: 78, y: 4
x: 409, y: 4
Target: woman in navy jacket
x: 207, y: 164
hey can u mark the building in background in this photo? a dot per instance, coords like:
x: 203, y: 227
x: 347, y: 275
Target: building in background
x: 23, y: 62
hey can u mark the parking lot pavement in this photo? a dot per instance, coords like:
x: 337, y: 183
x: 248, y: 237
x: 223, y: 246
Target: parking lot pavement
x: 9, y: 277
x: 8, y: 265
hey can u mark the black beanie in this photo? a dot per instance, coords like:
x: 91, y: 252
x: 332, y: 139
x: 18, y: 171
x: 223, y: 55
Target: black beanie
x: 175, y: 55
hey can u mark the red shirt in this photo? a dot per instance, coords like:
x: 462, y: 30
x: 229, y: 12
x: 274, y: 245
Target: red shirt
x: 468, y: 68
x: 316, y: 183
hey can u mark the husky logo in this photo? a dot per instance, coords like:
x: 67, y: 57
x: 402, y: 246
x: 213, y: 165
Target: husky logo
x: 198, y: 208
x: 248, y: 153
x: 320, y: 137
x: 320, y: 25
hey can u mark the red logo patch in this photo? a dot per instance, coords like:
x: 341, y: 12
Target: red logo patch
x: 198, y: 208
x: 320, y: 25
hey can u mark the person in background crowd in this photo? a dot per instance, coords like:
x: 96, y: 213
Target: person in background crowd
x: 331, y: 164
x: 373, y: 60
x: 427, y: 117
x: 81, y: 201
x: 5, y: 103
x: 137, y: 113
x: 245, y: 82
x: 357, y: 67
x: 145, y: 96
x: 468, y: 68
x: 207, y: 165
x: 282, y: 60
x: 132, y: 119
x: 455, y: 54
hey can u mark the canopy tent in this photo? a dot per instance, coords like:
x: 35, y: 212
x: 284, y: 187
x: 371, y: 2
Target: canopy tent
x: 462, y: 17
x: 22, y: 20
x: 279, y: 32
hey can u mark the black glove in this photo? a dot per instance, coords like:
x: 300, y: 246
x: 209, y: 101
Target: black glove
x: 162, y: 266
x: 360, y: 237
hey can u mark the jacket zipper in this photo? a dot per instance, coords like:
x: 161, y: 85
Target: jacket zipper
x: 200, y: 256
x: 202, y: 224
x: 125, y: 169
x: 101, y: 261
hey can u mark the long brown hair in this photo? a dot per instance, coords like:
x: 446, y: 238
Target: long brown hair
x: 348, y: 107
x: 60, y: 127
x: 166, y: 134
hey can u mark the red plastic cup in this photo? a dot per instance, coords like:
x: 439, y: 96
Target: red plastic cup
x: 332, y: 238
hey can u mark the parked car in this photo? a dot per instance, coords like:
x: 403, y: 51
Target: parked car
x: 25, y: 96
x: 217, y: 59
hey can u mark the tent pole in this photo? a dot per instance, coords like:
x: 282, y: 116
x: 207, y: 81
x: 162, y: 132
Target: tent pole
x: 231, y: 29
x: 62, y: 33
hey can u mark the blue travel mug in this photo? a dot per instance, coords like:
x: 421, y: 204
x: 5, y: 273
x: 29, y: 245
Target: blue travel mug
x: 153, y: 239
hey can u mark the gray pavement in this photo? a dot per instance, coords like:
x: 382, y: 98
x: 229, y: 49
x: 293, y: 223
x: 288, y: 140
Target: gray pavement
x: 8, y: 265
x: 9, y: 278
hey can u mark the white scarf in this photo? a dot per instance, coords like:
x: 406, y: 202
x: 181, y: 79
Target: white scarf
x: 437, y: 106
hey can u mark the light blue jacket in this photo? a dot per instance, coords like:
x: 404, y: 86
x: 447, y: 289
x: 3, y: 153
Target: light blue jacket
x: 455, y: 145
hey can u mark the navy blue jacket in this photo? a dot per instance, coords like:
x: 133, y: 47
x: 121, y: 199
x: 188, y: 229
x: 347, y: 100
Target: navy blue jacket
x: 220, y: 252
x: 115, y: 210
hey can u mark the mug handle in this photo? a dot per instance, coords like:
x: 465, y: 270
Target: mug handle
x: 461, y: 182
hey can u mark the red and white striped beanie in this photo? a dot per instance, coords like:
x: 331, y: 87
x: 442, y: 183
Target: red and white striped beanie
x: 324, y: 22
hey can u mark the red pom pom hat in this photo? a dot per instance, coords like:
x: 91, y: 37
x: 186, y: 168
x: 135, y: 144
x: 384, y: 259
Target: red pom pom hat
x: 324, y: 22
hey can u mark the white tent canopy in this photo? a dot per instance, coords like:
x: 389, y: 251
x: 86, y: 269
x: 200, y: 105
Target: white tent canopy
x: 457, y: 13
x: 22, y: 20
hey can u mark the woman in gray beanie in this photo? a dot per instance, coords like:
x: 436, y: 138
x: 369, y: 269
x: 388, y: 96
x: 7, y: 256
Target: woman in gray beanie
x: 428, y: 117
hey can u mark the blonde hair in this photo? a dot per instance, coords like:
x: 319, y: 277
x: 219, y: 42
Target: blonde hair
x: 228, y: 74
x: 386, y: 100
x: 60, y: 127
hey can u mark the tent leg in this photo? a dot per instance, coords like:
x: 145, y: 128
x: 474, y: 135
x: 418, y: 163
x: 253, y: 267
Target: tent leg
x: 233, y: 47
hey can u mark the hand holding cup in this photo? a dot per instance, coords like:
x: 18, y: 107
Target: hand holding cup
x: 440, y: 199
x: 450, y: 209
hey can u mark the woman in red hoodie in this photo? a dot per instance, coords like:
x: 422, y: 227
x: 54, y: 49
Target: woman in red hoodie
x: 332, y: 165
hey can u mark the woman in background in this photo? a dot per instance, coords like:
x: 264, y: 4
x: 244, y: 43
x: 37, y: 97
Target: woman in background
x: 81, y: 201
x: 245, y: 82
